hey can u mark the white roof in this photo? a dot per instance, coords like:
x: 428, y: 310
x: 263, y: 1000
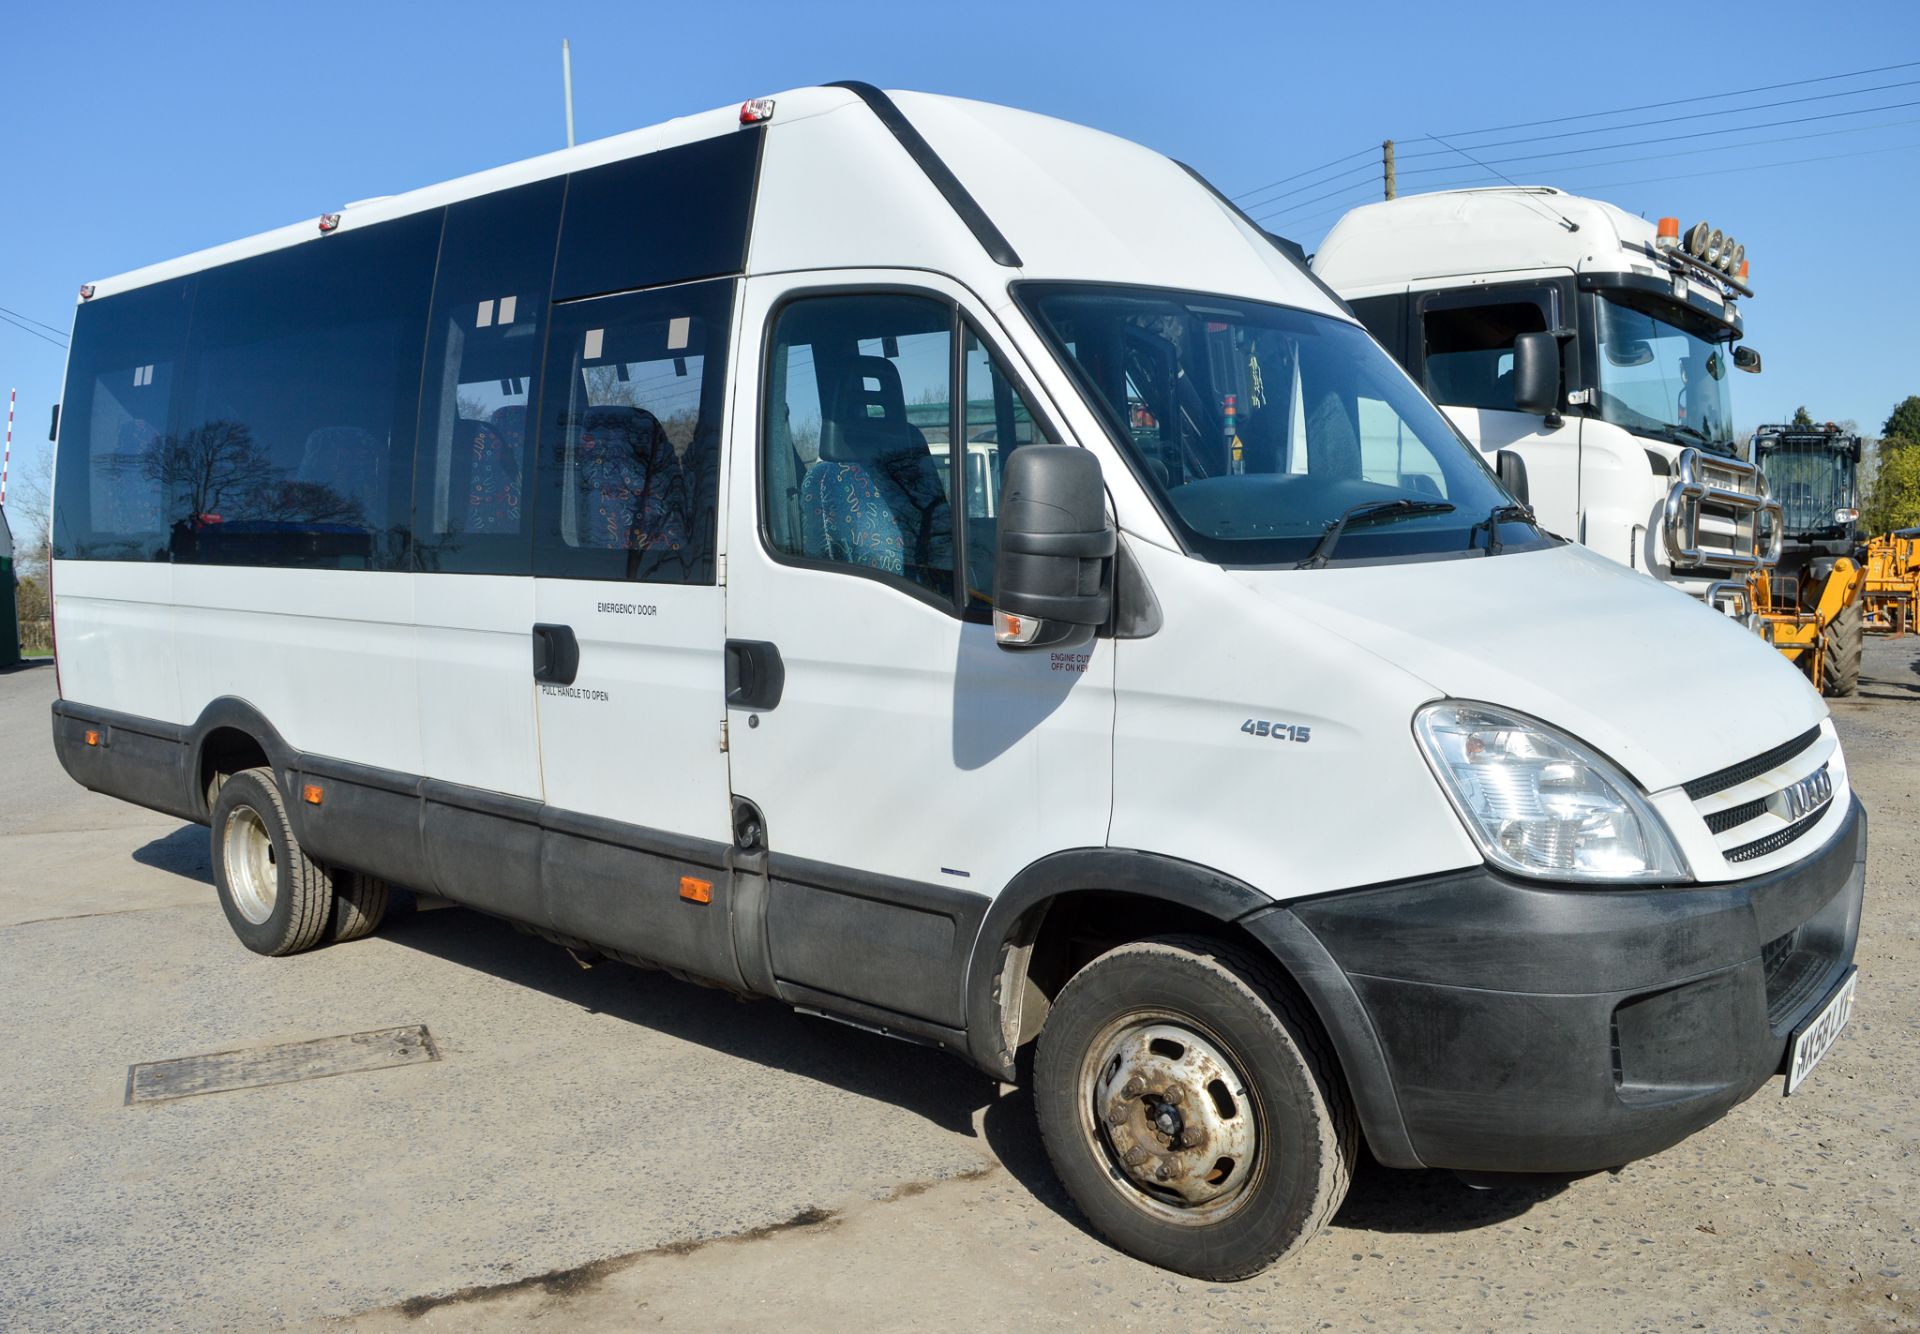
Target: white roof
x: 1455, y: 233
x: 837, y: 190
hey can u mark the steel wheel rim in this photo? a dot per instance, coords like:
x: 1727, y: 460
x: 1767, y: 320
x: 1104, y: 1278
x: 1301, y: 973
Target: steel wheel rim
x: 1178, y: 1125
x: 253, y: 872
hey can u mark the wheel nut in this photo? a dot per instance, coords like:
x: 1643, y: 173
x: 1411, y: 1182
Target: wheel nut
x: 1134, y: 1088
x: 1117, y: 1114
x: 1174, y: 1093
x: 1134, y: 1157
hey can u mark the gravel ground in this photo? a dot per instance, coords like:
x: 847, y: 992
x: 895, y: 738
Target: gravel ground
x: 607, y: 1149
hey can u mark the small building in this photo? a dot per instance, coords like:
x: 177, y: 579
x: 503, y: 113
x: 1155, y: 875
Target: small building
x: 9, y: 618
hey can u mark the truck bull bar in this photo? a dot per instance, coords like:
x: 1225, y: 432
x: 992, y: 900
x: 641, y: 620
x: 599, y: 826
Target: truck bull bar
x: 1731, y: 491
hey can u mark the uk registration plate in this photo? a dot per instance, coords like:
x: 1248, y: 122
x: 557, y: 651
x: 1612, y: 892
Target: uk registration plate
x: 1815, y: 1038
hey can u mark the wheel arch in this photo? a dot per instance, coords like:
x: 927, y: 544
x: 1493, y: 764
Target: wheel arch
x: 230, y: 735
x: 1018, y: 954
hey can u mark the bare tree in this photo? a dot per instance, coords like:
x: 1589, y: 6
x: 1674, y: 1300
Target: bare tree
x: 30, y: 515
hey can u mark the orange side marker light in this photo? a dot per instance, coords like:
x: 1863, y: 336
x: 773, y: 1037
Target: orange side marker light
x: 311, y: 794
x: 93, y: 737
x: 696, y: 891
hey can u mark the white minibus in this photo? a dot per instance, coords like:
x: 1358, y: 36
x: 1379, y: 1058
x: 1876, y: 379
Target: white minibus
x: 1215, y: 740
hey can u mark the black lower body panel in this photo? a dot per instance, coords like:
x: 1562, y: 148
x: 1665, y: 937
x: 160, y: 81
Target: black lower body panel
x: 1528, y: 1028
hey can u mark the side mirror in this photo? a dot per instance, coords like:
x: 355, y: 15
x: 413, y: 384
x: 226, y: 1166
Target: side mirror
x: 1054, y: 576
x: 1536, y: 374
x: 1746, y: 359
x: 1512, y: 470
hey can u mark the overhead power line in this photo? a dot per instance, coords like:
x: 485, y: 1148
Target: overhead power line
x: 1556, y: 167
x: 1727, y: 111
x: 1684, y: 101
x: 29, y: 329
x: 1363, y: 152
x: 50, y: 328
x: 1750, y: 166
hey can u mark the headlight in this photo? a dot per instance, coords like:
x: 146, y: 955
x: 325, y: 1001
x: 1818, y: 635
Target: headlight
x: 1541, y: 804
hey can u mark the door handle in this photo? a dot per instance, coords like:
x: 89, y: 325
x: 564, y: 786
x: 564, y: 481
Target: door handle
x: 756, y: 676
x: 556, y: 654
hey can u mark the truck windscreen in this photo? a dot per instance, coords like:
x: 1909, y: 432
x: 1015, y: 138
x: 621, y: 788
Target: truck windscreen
x: 1662, y: 373
x: 1812, y: 483
x: 1257, y: 427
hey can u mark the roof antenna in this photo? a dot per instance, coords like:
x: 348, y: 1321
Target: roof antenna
x: 566, y: 84
x: 1562, y: 218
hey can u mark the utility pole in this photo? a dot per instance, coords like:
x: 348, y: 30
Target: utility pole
x: 1386, y: 168
x: 566, y: 84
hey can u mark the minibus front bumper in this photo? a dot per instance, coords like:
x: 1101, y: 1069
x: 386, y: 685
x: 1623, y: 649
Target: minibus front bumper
x: 1488, y: 1024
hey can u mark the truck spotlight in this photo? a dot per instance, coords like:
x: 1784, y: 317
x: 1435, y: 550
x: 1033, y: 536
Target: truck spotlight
x: 1716, y: 242
x: 1697, y: 240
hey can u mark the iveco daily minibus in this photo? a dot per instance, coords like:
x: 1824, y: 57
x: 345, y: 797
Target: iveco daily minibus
x: 945, y: 569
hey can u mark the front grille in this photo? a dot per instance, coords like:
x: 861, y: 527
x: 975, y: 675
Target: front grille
x: 1735, y: 816
x: 1734, y: 775
x: 1777, y: 840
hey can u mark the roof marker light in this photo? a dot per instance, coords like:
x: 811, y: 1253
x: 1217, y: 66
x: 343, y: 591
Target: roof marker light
x: 756, y: 110
x: 328, y: 221
x: 1743, y: 274
x: 86, y: 291
x: 1669, y: 234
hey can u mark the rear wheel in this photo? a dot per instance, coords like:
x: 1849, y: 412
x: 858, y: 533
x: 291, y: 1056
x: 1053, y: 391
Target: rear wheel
x: 1189, y: 1104
x: 359, y: 905
x: 1846, y: 640
x: 277, y: 899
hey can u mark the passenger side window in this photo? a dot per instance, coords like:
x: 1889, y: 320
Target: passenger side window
x: 630, y: 436
x: 484, y: 343
x: 114, y: 443
x: 857, y: 436
x: 295, y: 435
x: 1469, y: 346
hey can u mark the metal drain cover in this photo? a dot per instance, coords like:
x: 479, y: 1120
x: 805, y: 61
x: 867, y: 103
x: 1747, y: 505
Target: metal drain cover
x: 287, y: 1063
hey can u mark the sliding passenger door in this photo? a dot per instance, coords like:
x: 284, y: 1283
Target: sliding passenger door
x: 905, y: 767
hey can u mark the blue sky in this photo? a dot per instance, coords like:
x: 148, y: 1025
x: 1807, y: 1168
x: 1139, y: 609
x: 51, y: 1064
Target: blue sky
x: 131, y: 133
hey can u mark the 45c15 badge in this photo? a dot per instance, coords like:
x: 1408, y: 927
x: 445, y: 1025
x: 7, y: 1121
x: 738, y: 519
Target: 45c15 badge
x: 1277, y: 731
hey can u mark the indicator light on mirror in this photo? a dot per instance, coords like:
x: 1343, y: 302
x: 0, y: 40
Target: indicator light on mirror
x: 1011, y: 629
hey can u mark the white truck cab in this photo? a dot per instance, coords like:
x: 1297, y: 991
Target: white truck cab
x: 944, y: 569
x: 1593, y: 346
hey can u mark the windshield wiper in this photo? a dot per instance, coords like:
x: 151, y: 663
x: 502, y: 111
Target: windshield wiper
x: 1367, y: 512
x: 1499, y: 515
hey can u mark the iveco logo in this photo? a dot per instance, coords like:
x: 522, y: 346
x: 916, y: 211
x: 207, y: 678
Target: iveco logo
x: 1804, y: 797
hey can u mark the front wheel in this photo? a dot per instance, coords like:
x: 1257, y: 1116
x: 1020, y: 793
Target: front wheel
x: 1189, y: 1103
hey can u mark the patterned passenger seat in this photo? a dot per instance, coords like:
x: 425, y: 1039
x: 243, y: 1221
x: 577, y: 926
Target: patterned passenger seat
x: 495, y: 453
x: 874, y: 496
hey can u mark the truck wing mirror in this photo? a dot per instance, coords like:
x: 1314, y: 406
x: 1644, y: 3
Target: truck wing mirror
x: 1536, y: 374
x: 1746, y: 359
x: 1512, y: 470
x: 1053, y: 580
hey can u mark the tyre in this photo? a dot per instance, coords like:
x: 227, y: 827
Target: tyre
x: 277, y: 899
x: 1190, y: 1104
x: 1846, y: 640
x: 359, y: 906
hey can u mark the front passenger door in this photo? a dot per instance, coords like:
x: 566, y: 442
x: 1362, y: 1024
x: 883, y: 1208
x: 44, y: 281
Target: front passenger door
x: 908, y: 767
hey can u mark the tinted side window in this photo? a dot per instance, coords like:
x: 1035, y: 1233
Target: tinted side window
x: 484, y: 347
x: 116, y: 416
x: 295, y: 433
x: 856, y: 440
x: 1469, y: 348
x: 667, y: 217
x: 998, y: 421
x: 1386, y: 319
x: 631, y: 411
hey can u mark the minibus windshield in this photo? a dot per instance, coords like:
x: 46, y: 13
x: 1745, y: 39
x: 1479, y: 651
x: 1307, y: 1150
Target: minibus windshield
x: 1257, y: 427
